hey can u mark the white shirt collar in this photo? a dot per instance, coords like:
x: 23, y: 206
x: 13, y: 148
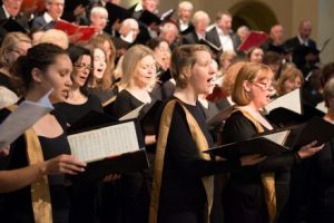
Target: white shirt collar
x: 301, y: 41
x: 47, y: 17
x: 221, y: 32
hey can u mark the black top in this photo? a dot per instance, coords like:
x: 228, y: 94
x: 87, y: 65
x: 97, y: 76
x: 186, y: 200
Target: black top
x: 6, y: 82
x: 125, y: 103
x: 239, y: 128
x: 18, y: 207
x: 103, y: 94
x: 181, y: 185
x: 75, y: 112
x: 244, y: 193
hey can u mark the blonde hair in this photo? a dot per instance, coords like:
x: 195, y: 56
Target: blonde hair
x: 131, y: 60
x: 56, y: 37
x: 289, y: 73
x: 249, y: 73
x: 9, y: 43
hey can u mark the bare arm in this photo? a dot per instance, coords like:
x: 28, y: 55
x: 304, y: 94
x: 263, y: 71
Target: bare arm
x: 12, y: 180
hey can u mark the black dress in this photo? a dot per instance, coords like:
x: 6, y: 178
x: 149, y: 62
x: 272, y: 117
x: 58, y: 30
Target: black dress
x: 84, y: 200
x: 182, y: 194
x: 103, y: 94
x: 133, y: 188
x: 74, y: 112
x: 243, y: 197
x: 18, y: 206
x: 321, y: 189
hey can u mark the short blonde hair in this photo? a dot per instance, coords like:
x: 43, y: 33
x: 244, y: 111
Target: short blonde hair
x: 56, y: 37
x: 183, y: 59
x: 249, y: 72
x: 131, y: 60
x: 9, y: 43
x: 289, y: 73
x: 199, y: 15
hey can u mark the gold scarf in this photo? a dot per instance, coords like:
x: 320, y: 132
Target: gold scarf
x: 202, y: 145
x: 40, y: 194
x: 268, y: 179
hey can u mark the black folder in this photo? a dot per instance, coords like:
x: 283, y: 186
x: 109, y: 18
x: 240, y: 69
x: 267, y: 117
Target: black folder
x: 116, y: 12
x: 147, y: 117
x: 315, y: 129
x: 215, y: 49
x: 256, y: 145
x: 282, y: 117
x: 11, y: 25
x: 149, y: 18
x: 291, y: 138
x: 126, y: 163
x: 120, y: 164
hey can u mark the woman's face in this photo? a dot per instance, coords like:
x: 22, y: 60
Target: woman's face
x: 100, y: 63
x: 291, y: 84
x: 162, y: 55
x: 145, y: 72
x: 20, y: 49
x: 58, y: 77
x: 256, y: 56
x: 202, y: 78
x: 261, y: 89
x: 81, y: 70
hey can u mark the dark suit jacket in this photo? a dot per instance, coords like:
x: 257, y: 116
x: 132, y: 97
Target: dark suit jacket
x: 190, y: 38
x: 40, y: 23
x: 190, y: 29
x: 213, y: 37
x: 294, y: 42
x: 299, y: 51
x: 20, y: 18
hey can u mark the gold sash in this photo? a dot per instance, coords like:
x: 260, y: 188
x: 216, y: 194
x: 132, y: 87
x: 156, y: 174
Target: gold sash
x: 268, y: 179
x: 202, y: 145
x: 109, y: 101
x: 40, y: 194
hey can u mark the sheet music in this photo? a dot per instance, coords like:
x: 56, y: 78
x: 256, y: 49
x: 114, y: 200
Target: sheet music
x: 26, y: 115
x: 291, y: 101
x: 132, y: 114
x: 165, y: 14
x: 101, y: 143
x: 278, y: 137
x: 322, y: 107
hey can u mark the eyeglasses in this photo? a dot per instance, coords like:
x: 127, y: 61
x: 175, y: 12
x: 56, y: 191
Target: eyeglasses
x: 265, y: 86
x: 81, y: 67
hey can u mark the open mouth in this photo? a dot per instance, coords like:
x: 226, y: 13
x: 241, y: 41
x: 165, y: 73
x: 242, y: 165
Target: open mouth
x: 66, y: 93
x: 211, y: 80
